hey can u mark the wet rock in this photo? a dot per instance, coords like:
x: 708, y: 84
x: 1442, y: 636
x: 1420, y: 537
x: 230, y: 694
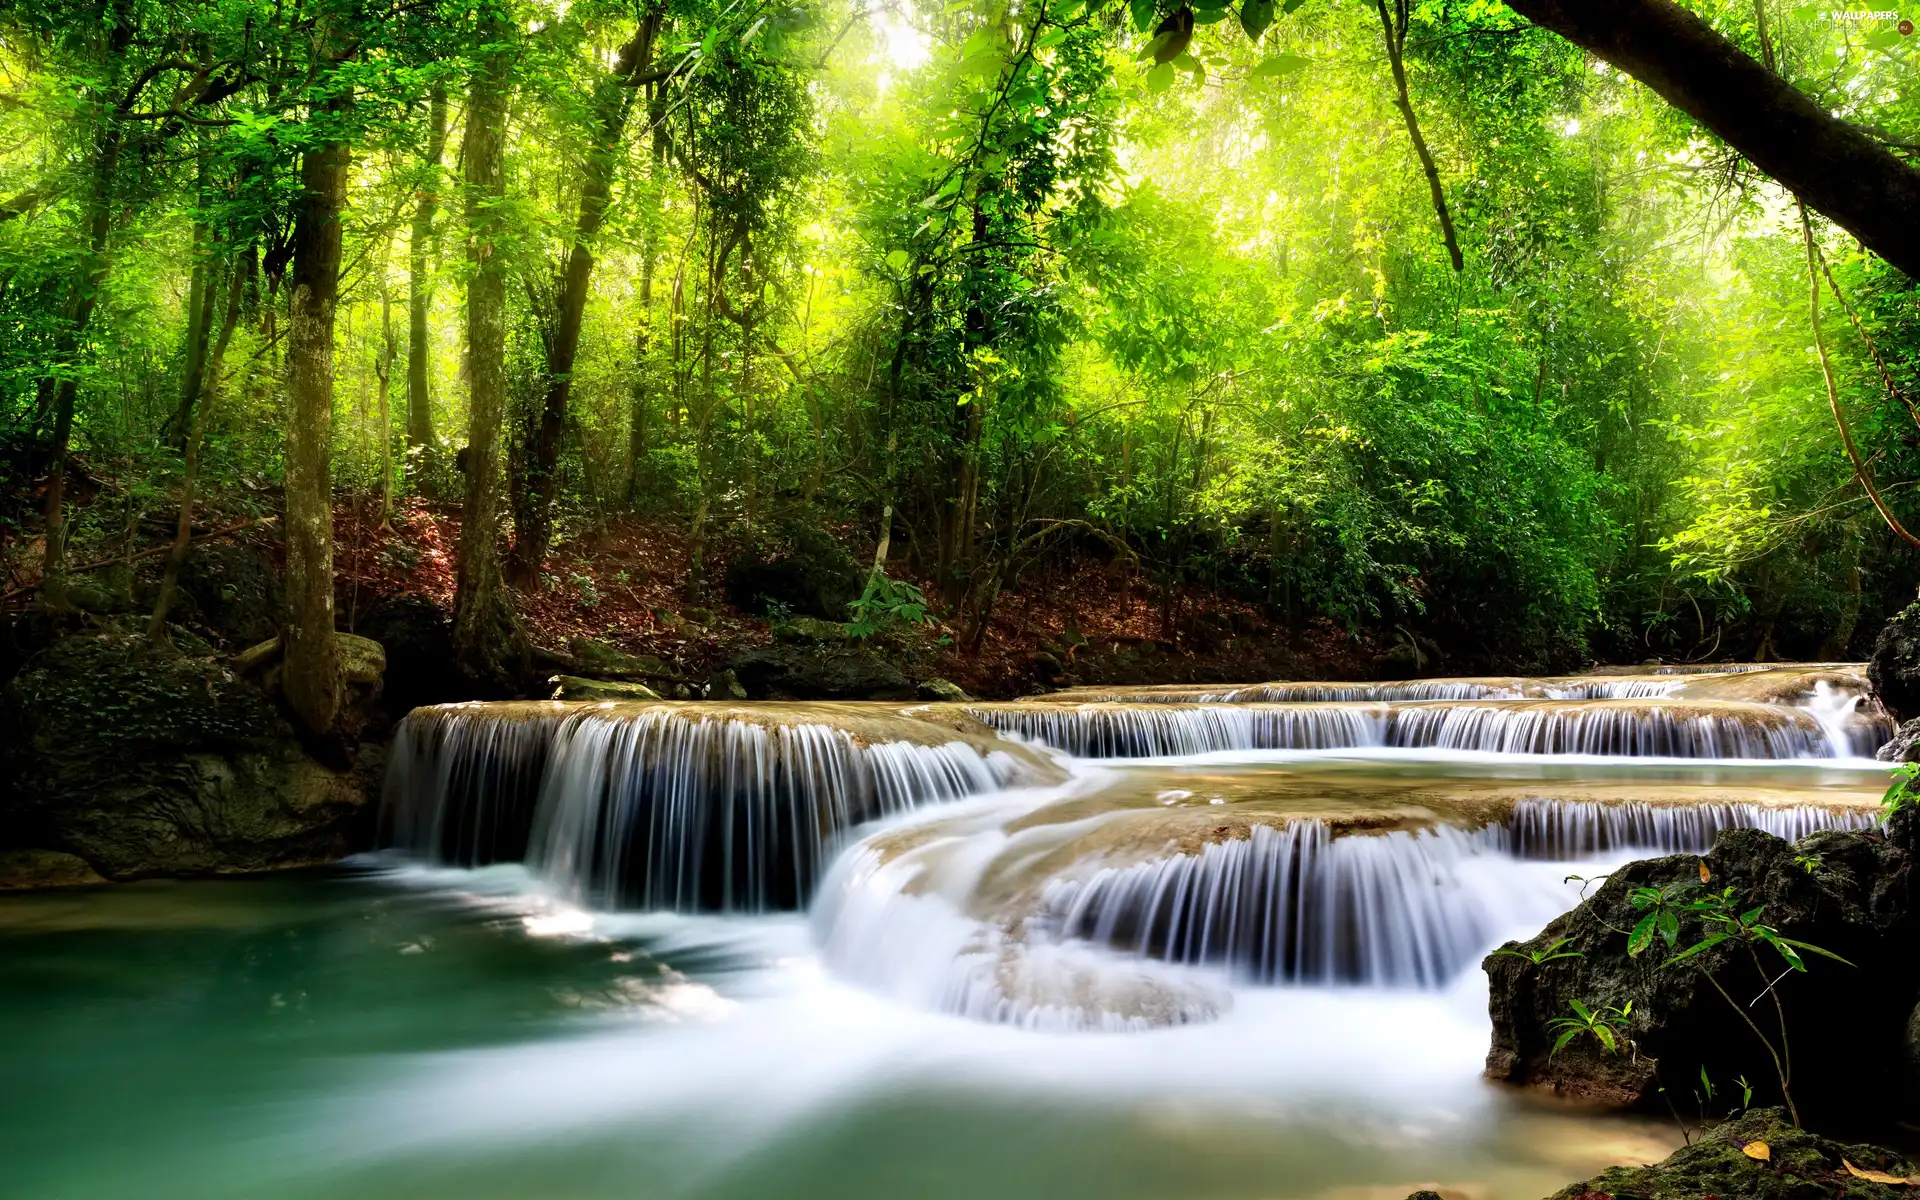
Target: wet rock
x: 788, y: 672
x: 31, y: 870
x: 1846, y: 892
x: 1894, y: 670
x: 573, y: 687
x: 803, y: 630
x: 812, y: 575
x: 1758, y: 1155
x: 696, y: 615
x: 1904, y: 746
x: 234, y: 591
x: 942, y: 689
x: 149, y: 763
x: 600, y: 658
x: 725, y: 686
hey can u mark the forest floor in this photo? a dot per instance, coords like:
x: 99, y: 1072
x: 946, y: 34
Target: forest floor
x: 625, y: 585
x: 1078, y: 620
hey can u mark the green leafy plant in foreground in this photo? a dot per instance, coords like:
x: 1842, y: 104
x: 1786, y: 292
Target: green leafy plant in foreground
x: 1602, y: 1024
x: 1726, y: 923
x: 1901, y: 793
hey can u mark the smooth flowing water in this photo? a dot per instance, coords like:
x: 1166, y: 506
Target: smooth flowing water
x: 853, y: 951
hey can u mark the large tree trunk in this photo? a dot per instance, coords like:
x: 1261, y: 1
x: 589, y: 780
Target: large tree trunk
x: 312, y: 677
x: 1835, y: 167
x: 613, y: 99
x: 419, y: 294
x: 487, y: 640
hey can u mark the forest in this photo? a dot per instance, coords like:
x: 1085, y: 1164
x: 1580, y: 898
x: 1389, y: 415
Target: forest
x: 1416, y: 331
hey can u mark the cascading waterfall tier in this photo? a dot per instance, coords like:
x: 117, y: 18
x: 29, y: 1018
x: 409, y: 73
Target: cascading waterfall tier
x: 1622, y: 728
x: 1299, y: 903
x: 665, y: 806
x: 1490, y: 688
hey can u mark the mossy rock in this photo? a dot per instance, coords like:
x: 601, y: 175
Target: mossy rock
x: 149, y: 762
x: 1758, y: 1155
x: 805, y: 630
x: 1846, y: 892
x: 234, y: 590
x: 600, y: 658
x: 574, y: 687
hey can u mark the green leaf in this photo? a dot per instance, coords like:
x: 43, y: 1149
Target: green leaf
x: 1642, y: 935
x: 1160, y: 77
x: 1255, y: 16
x: 1812, y: 950
x: 1278, y: 65
x: 1670, y: 927
x: 1050, y: 39
x: 1711, y: 940
x: 1143, y: 12
x: 1290, y: 5
x: 899, y: 259
x: 1561, y: 1042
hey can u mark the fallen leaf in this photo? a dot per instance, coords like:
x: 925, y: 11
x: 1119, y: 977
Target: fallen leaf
x: 1759, y: 1150
x: 1706, y: 876
x: 1874, y: 1176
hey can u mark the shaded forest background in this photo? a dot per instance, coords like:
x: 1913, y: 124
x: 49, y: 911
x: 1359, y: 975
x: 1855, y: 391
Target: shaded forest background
x: 1372, y: 338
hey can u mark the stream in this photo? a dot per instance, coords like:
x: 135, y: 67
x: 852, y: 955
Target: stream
x: 1135, y: 943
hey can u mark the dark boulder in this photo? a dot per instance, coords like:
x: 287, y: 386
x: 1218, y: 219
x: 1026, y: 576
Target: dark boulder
x: 1894, y: 669
x: 418, y: 638
x: 233, y: 591
x: 145, y: 762
x: 1758, y: 1155
x: 1846, y: 892
x: 790, y: 672
x: 811, y: 574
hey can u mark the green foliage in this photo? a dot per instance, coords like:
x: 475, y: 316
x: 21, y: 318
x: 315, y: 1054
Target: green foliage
x: 1901, y: 792
x: 885, y: 605
x: 1605, y: 1025
x: 1545, y: 954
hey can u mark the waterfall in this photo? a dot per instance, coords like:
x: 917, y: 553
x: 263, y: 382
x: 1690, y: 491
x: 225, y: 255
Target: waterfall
x: 664, y: 806
x: 1625, y: 728
x: 1497, y: 688
x: 1301, y: 904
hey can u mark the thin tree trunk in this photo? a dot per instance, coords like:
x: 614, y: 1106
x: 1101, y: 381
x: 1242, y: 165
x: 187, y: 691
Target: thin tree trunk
x: 200, y: 297
x: 613, y: 100
x: 196, y: 438
x: 487, y: 640
x: 1396, y: 35
x: 419, y: 291
x: 53, y: 583
x: 383, y: 373
x: 311, y: 670
x: 637, y: 446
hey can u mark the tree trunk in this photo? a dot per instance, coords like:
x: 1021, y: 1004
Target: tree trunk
x: 487, y: 641
x: 613, y: 99
x: 419, y: 293
x: 1396, y: 36
x: 383, y: 374
x: 312, y: 679
x: 53, y: 581
x: 196, y: 437
x: 1836, y: 168
x: 200, y: 293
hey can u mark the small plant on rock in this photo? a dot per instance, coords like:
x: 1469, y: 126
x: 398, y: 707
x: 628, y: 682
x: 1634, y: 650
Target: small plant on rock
x: 1726, y: 924
x: 1603, y: 1024
x: 1546, y: 955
